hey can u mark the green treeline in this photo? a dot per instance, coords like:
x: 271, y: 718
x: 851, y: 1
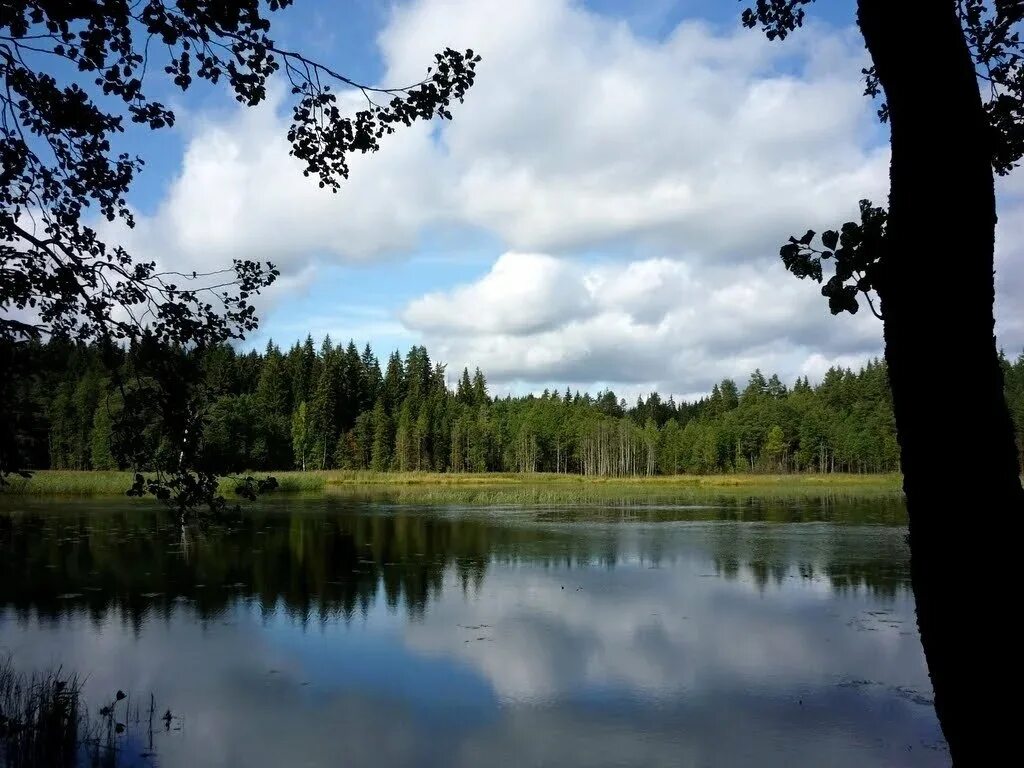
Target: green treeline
x: 337, y: 407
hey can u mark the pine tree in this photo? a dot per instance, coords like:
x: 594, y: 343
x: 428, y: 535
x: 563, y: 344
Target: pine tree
x: 272, y: 390
x: 422, y: 433
x: 730, y: 394
x: 308, y: 362
x: 756, y: 386
x: 101, y: 448
x: 774, y: 446
x: 458, y: 444
x: 405, y: 439
x: 775, y: 388
x: 352, y: 386
x: 393, y: 385
x: 62, y: 427
x: 302, y: 437
x: 464, y: 391
x: 479, y: 388
x: 380, y: 454
x: 271, y: 440
x: 372, y: 379
x: 322, y: 409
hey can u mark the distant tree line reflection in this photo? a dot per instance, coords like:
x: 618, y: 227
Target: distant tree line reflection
x: 326, y: 562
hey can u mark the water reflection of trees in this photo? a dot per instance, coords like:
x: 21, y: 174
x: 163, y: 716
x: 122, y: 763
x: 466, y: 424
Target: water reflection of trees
x: 881, y: 578
x: 320, y: 564
x: 872, y: 559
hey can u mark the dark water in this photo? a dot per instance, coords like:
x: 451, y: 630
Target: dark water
x: 336, y: 632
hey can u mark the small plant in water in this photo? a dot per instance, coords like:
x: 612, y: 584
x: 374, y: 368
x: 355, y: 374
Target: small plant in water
x: 43, y: 722
x: 40, y: 718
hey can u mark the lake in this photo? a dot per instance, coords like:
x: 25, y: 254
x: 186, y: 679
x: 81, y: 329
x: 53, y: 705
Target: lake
x: 360, y: 631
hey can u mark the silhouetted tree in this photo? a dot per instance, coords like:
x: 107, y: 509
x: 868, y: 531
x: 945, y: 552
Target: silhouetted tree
x: 74, y: 76
x: 952, y: 78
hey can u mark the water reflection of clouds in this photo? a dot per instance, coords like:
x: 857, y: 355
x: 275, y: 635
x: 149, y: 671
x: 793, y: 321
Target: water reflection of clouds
x: 658, y: 632
x: 294, y: 694
x: 627, y: 665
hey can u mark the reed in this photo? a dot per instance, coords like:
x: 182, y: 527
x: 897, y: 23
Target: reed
x: 545, y: 486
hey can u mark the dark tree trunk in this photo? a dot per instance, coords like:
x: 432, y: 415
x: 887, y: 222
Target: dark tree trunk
x: 937, y: 297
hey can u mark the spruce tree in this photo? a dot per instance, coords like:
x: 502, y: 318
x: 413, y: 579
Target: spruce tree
x: 302, y: 437
x: 479, y: 388
x: 381, y: 450
x: 101, y: 448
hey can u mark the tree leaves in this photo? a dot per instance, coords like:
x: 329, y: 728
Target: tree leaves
x: 57, y: 163
x: 993, y: 35
x: 322, y: 139
x: 992, y: 31
x: 856, y: 252
x: 801, y: 262
x: 777, y: 17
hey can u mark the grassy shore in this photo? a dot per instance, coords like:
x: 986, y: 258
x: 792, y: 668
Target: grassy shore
x: 535, y: 486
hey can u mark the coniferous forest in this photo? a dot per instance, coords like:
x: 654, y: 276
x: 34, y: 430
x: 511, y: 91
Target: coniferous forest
x: 327, y: 407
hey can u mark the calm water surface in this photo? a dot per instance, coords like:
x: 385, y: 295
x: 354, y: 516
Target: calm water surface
x: 359, y: 633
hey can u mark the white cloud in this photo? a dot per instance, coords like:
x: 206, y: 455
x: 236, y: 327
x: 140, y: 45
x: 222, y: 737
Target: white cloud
x: 579, y: 132
x: 523, y: 293
x: 240, y: 195
x: 576, y: 133
x: 688, y: 159
x: 654, y: 323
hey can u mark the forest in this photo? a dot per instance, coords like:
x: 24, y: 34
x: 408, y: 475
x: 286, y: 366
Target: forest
x: 322, y: 407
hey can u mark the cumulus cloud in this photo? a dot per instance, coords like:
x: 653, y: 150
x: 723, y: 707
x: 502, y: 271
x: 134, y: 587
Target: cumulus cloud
x: 577, y: 133
x: 653, y: 323
x: 523, y: 293
x: 640, y: 188
x: 240, y: 195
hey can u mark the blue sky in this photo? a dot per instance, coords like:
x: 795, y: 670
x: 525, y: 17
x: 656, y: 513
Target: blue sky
x: 605, y: 209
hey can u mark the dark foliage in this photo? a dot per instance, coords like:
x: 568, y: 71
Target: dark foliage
x: 992, y: 31
x: 951, y: 75
x: 856, y: 253
x: 335, y: 408
x: 74, y: 78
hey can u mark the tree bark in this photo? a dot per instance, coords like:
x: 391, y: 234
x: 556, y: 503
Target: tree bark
x: 937, y: 293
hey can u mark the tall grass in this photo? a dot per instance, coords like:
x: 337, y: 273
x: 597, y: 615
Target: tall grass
x: 43, y: 722
x: 77, y: 483
x: 71, y: 483
x: 366, y: 478
x: 553, y: 487
x: 626, y: 496
x: 40, y: 718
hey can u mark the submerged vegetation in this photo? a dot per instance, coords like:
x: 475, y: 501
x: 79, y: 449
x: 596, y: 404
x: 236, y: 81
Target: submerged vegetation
x: 336, y: 409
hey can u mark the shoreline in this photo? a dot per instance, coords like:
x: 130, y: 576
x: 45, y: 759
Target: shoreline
x: 86, y: 483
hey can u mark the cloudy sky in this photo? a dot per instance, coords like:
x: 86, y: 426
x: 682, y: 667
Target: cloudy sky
x: 605, y: 209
